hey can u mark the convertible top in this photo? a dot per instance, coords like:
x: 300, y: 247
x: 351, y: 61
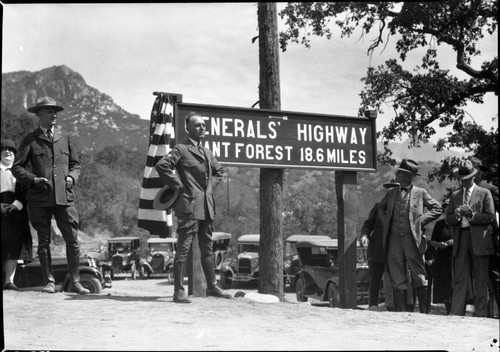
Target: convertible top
x: 162, y: 240
x: 221, y: 236
x: 253, y: 238
x: 326, y: 242
x: 298, y: 238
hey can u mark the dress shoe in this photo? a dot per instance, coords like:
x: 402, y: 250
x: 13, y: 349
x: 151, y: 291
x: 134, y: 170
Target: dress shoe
x: 217, y: 292
x: 181, y: 297
x: 78, y: 288
x: 11, y: 286
x: 49, y: 288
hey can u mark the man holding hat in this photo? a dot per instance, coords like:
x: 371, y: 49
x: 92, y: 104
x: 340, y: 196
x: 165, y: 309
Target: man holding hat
x: 403, y: 238
x: 54, y: 171
x: 190, y: 170
x: 470, y: 212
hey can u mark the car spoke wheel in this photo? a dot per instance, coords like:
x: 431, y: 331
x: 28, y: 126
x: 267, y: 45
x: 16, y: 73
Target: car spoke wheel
x: 300, y: 290
x: 225, y: 280
x: 91, y: 283
x: 333, y: 295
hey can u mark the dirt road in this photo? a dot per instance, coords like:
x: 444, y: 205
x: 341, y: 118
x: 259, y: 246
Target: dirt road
x: 138, y: 315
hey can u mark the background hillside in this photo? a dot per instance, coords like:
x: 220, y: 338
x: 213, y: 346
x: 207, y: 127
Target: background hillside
x: 113, y: 144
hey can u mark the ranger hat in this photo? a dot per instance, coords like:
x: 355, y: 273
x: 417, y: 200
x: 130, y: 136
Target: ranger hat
x: 465, y: 170
x: 8, y: 144
x: 45, y: 102
x: 409, y: 165
x: 165, y: 198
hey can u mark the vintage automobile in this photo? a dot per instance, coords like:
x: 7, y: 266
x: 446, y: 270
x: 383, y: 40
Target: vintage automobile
x: 245, y: 267
x: 318, y: 277
x: 161, y: 255
x: 291, y: 264
x: 220, y: 242
x: 124, y: 256
x: 98, y: 253
x: 29, y: 276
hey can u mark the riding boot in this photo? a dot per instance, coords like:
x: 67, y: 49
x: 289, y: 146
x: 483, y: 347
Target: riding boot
x: 46, y: 265
x: 180, y: 295
x: 400, y: 298
x: 422, y: 299
x: 207, y: 264
x: 73, y: 256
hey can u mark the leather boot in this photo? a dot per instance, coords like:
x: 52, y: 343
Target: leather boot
x: 422, y: 298
x: 180, y: 295
x: 73, y: 256
x: 400, y: 300
x: 207, y: 264
x: 46, y: 265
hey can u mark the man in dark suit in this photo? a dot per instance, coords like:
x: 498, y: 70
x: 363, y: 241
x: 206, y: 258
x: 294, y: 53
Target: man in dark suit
x: 470, y: 212
x: 403, y: 240
x: 54, y: 171
x: 192, y: 169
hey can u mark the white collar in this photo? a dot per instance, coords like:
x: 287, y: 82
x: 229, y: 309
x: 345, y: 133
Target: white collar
x: 195, y: 143
x: 3, y: 167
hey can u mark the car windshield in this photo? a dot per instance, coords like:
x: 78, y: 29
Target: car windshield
x: 248, y: 247
x: 119, y: 247
x: 163, y: 247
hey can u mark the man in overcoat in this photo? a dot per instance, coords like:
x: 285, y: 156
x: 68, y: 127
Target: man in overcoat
x: 403, y: 239
x: 192, y: 170
x: 470, y: 212
x: 47, y: 165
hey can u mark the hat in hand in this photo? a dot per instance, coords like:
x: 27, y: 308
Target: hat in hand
x: 465, y: 170
x: 45, y: 102
x: 165, y: 198
x: 391, y: 183
x: 408, y: 165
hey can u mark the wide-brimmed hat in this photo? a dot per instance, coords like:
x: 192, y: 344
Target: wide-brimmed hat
x: 165, y: 198
x: 391, y: 183
x: 45, y: 102
x: 410, y: 166
x: 8, y: 144
x: 465, y: 170
x: 478, y: 163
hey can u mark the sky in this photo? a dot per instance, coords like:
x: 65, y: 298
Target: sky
x: 203, y: 51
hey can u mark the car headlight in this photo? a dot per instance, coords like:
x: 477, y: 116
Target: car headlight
x: 255, y: 261
x: 287, y: 263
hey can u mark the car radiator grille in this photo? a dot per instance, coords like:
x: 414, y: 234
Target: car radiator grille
x: 157, y: 263
x: 117, y: 262
x: 245, y: 266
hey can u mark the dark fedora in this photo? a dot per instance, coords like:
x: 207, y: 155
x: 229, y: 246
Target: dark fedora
x: 8, y: 144
x: 391, y: 183
x: 478, y: 164
x: 408, y: 165
x: 165, y: 198
x: 465, y: 170
x: 45, y: 102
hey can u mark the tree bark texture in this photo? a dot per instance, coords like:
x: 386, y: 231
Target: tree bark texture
x: 271, y: 180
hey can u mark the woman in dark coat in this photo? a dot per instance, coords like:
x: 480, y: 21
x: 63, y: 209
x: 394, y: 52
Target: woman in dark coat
x: 16, y: 235
x: 441, y: 240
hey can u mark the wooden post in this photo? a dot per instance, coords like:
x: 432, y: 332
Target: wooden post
x: 271, y: 180
x: 346, y: 219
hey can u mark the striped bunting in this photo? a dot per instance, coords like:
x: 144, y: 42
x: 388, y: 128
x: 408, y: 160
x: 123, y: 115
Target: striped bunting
x: 162, y: 136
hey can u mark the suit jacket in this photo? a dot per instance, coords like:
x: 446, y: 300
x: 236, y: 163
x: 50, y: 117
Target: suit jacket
x: 52, y: 161
x: 481, y: 202
x: 186, y: 168
x: 373, y: 228
x: 419, y: 199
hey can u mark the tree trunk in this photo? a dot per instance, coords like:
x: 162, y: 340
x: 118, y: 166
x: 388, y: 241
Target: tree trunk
x: 271, y: 180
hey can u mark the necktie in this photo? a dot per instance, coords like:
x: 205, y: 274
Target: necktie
x: 467, y: 196
x: 49, y: 134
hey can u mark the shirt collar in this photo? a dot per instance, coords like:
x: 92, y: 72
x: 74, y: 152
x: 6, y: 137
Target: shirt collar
x: 46, y: 129
x: 471, y: 187
x: 3, y: 167
x: 195, y: 143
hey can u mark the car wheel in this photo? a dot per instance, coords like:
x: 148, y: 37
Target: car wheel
x: 333, y: 295
x: 299, y: 290
x: 91, y: 283
x: 225, y: 280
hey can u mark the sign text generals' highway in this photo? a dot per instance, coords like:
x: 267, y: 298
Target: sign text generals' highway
x: 284, y: 139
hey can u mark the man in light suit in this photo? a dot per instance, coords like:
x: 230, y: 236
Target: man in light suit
x: 50, y: 180
x: 190, y: 168
x: 470, y: 212
x: 403, y: 240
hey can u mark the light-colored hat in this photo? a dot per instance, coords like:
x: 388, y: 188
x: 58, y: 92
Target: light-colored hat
x: 165, y: 198
x: 465, y: 170
x: 45, y: 102
x: 409, y: 165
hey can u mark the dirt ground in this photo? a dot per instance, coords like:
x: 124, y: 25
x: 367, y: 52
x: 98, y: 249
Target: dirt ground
x: 139, y: 315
